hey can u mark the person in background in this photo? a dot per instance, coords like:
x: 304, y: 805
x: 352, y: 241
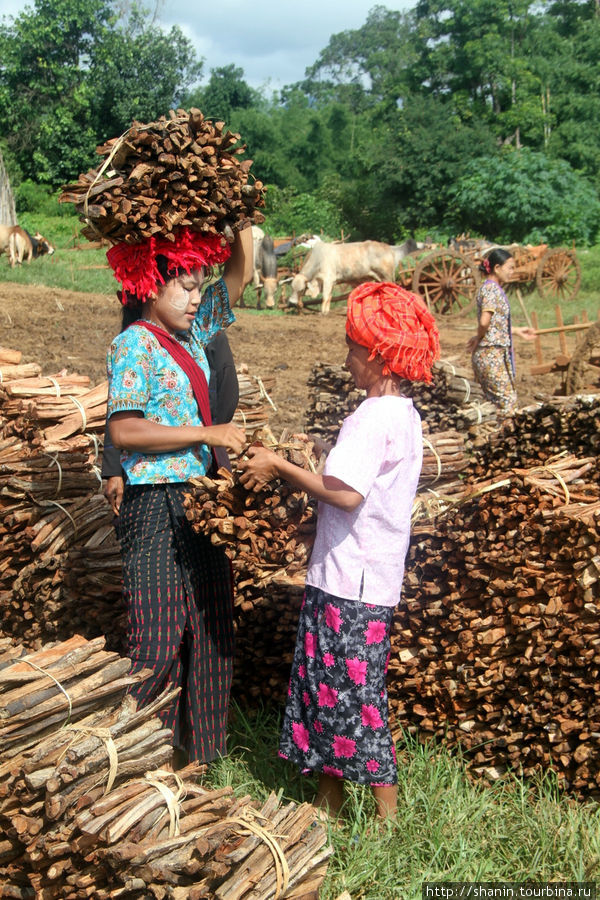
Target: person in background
x: 336, y: 716
x: 177, y: 585
x: 492, y: 347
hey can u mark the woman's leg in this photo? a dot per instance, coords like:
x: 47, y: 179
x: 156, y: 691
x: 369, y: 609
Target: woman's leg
x: 330, y: 794
x: 386, y: 800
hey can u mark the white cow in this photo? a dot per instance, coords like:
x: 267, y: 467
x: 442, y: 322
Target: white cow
x: 264, y: 274
x: 330, y: 264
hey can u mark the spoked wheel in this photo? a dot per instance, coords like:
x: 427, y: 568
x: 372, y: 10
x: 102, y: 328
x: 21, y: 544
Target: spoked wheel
x: 558, y: 275
x: 584, y: 369
x: 406, y: 269
x: 448, y: 281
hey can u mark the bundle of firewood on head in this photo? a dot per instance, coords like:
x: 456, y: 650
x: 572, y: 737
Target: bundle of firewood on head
x: 178, y: 172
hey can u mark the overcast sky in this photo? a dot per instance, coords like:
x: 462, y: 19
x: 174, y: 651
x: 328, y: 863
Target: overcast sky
x: 273, y: 41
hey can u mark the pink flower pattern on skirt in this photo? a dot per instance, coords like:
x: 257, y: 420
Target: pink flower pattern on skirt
x: 336, y: 716
x: 375, y: 632
x: 332, y: 617
x: 300, y: 733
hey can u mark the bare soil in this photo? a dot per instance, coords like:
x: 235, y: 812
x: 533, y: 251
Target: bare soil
x: 68, y: 330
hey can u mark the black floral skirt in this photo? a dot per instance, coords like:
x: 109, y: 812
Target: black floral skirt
x: 336, y: 716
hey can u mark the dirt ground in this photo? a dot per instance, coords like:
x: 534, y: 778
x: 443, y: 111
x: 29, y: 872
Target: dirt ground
x: 68, y: 330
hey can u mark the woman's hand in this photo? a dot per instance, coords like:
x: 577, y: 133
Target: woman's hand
x: 228, y: 435
x: 472, y: 343
x: 259, y: 468
x: 113, y: 491
x: 528, y: 334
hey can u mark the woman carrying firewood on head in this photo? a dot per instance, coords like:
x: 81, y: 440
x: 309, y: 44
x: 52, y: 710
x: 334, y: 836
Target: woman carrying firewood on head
x: 336, y: 717
x: 492, y: 348
x: 177, y: 584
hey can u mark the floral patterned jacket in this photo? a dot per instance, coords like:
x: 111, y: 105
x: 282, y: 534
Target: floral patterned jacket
x: 143, y: 376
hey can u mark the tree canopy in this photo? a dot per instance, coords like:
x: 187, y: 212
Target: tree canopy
x: 481, y: 115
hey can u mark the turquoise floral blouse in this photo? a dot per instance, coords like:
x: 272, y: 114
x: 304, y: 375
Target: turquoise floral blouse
x: 144, y: 376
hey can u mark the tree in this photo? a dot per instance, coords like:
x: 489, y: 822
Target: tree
x: 225, y: 92
x: 138, y: 72
x: 73, y: 74
x: 524, y: 196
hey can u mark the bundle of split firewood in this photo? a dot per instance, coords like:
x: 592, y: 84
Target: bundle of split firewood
x: 179, y: 171
x: 89, y: 808
x: 497, y: 646
x: 535, y: 433
x: 452, y: 402
x: 254, y: 405
x: 266, y: 532
x: 49, y: 484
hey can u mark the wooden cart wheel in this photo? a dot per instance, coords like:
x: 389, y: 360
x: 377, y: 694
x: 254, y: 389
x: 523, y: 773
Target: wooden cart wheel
x: 406, y: 269
x: 447, y: 280
x: 584, y: 369
x: 558, y: 274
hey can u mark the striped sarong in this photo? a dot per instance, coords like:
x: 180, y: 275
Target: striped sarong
x: 178, y: 589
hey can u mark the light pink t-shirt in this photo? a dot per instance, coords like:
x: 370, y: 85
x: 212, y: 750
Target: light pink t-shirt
x: 360, y: 555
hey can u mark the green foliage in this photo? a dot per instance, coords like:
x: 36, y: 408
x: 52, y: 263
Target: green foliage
x: 73, y: 75
x: 524, y: 196
x: 290, y: 213
x: 449, y: 829
x: 225, y: 92
x: 38, y: 199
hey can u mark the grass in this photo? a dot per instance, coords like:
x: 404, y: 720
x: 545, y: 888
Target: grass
x: 449, y: 829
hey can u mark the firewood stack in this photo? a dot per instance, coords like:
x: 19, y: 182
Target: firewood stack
x: 61, y: 568
x: 179, y: 171
x: 255, y: 404
x: 88, y: 811
x: 535, y: 433
x: 49, y: 479
x: 496, y: 648
x: 452, y: 402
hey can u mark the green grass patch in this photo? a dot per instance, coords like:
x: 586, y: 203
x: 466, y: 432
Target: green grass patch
x: 67, y: 268
x: 449, y: 829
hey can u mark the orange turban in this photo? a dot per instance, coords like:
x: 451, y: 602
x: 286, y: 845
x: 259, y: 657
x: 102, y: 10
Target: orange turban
x: 392, y: 322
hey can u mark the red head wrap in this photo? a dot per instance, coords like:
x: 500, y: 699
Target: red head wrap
x: 135, y: 266
x: 392, y: 322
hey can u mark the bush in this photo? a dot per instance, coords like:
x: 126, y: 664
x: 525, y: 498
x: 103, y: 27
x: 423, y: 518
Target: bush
x: 290, y: 213
x: 525, y: 197
x: 39, y: 199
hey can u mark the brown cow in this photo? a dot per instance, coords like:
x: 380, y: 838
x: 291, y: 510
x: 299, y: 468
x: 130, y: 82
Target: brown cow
x: 24, y: 246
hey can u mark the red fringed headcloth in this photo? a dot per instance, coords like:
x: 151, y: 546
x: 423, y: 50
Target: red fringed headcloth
x: 135, y: 266
x: 392, y: 322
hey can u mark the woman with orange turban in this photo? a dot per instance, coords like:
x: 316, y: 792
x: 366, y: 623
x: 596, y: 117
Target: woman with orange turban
x: 336, y: 717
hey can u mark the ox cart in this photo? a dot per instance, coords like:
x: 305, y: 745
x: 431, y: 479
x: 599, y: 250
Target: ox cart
x: 448, y: 277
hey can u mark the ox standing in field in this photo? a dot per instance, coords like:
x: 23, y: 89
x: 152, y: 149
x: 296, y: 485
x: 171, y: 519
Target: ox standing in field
x: 330, y: 264
x: 21, y: 245
x: 264, y: 275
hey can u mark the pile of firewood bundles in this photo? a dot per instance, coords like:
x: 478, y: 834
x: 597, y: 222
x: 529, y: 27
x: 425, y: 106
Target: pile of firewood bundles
x: 451, y: 402
x: 89, y: 808
x: 50, y: 456
x: 254, y: 404
x: 181, y: 171
x: 536, y: 433
x: 497, y: 647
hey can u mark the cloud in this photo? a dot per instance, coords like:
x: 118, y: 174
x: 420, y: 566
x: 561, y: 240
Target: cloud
x: 271, y: 40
